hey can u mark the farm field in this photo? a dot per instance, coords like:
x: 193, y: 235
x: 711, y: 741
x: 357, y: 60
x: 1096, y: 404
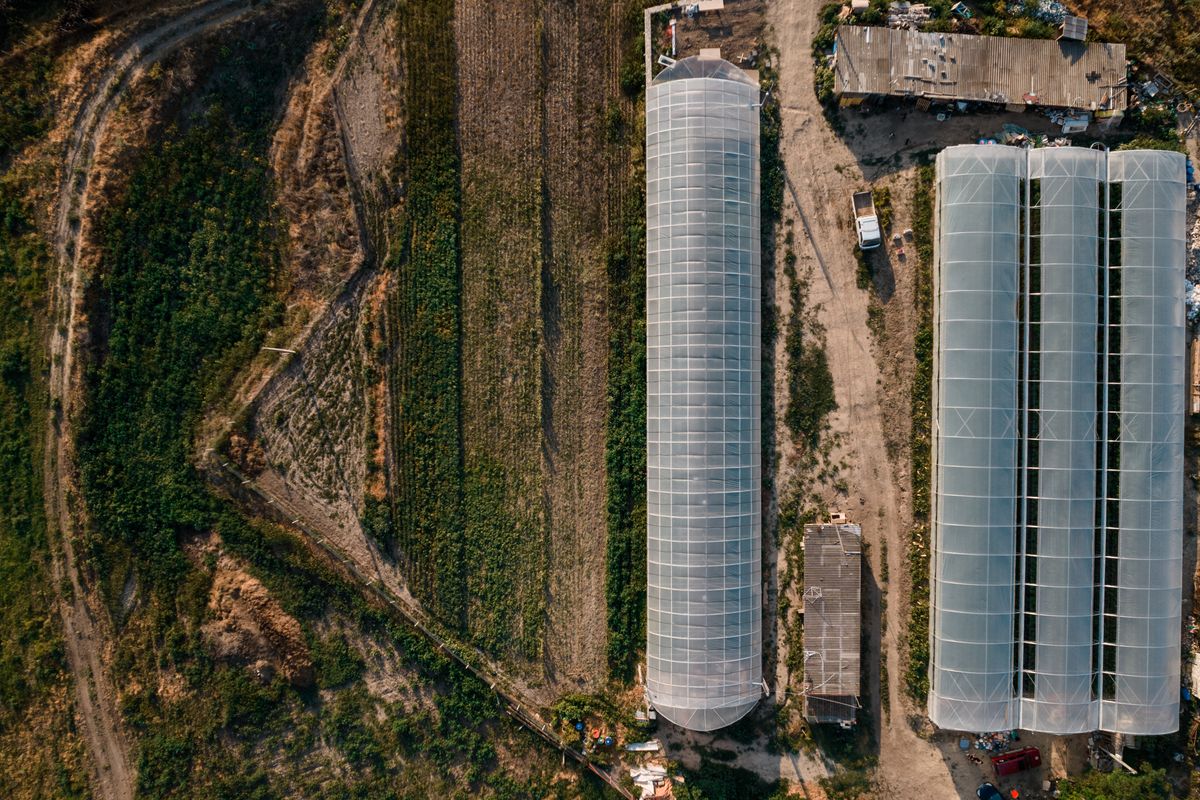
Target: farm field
x: 323, y: 401
x: 267, y: 280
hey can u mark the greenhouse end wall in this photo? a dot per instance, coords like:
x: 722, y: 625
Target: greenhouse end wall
x: 1058, y: 440
x: 703, y: 420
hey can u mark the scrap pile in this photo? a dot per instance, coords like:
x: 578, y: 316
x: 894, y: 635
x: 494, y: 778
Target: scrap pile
x: 653, y: 782
x: 997, y: 742
x: 1193, y: 273
x: 1071, y: 121
x: 904, y: 14
x: 1050, y: 11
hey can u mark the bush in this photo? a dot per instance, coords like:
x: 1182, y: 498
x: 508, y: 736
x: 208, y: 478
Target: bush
x: 336, y: 662
x: 1150, y: 784
x: 164, y: 767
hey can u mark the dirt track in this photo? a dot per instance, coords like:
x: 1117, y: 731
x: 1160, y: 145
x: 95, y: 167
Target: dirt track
x: 85, y: 624
x: 822, y: 171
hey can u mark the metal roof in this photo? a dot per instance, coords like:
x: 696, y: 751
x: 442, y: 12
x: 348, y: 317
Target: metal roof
x: 1074, y: 28
x: 832, y: 621
x: 990, y: 69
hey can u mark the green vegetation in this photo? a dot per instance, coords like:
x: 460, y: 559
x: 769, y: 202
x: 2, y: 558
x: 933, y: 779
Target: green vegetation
x: 33, y: 667
x: 810, y: 397
x: 188, y: 292
x: 1157, y: 34
x: 625, y: 446
x: 716, y: 781
x: 187, y: 287
x: 24, y: 94
x: 625, y: 440
x: 851, y: 784
x: 882, y: 197
x: 916, y: 678
x: 336, y: 662
x: 771, y: 185
x: 425, y: 308
x: 39, y: 750
x: 1149, y: 784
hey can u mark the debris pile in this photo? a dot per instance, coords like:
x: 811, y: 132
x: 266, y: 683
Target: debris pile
x: 1192, y: 295
x: 1050, y: 11
x: 652, y: 780
x: 904, y: 14
x: 997, y: 742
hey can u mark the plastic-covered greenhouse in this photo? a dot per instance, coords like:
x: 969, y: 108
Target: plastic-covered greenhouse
x: 704, y: 575
x: 1058, y: 440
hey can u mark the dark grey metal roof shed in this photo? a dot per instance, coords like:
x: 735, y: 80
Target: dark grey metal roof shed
x: 832, y: 621
x: 990, y: 69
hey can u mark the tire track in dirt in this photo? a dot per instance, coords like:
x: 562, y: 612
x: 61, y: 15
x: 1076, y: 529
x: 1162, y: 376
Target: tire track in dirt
x: 85, y: 627
x: 818, y: 191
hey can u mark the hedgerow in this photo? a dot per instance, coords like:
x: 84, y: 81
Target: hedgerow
x: 916, y: 678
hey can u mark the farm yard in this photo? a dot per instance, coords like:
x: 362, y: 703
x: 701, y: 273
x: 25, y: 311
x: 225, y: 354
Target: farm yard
x: 324, y: 385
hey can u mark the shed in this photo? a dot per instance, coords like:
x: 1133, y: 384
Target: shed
x: 832, y: 622
x: 986, y: 69
x: 1074, y: 28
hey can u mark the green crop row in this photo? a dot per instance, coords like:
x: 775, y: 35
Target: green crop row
x: 917, y: 674
x: 625, y: 438
x: 425, y: 311
x: 625, y: 447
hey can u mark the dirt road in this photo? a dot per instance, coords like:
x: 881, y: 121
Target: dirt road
x: 85, y: 624
x: 822, y: 171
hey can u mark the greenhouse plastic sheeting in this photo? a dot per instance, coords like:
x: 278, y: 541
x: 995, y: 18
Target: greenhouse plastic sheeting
x: 1060, y: 419
x: 1149, y: 549
x: 1058, y: 440
x: 704, y: 482
x: 975, y: 449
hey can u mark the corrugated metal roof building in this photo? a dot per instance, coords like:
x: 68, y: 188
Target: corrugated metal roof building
x: 832, y: 621
x: 989, y: 69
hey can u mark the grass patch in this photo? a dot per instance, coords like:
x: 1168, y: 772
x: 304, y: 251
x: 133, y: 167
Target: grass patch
x: 717, y: 781
x: 810, y: 398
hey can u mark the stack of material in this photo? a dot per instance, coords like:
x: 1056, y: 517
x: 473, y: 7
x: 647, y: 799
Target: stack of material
x: 903, y: 14
x: 1193, y: 274
x: 652, y: 780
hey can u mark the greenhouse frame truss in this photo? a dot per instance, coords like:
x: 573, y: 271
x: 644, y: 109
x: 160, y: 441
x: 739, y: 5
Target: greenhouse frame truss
x: 1059, y: 346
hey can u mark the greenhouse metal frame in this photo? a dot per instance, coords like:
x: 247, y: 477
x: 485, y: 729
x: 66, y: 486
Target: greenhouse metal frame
x: 703, y: 428
x: 1058, y: 440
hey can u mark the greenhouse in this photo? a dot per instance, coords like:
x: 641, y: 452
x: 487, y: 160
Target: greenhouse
x: 704, y: 482
x: 1058, y: 440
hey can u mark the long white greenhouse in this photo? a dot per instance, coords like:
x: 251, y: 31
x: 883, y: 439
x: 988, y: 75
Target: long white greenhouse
x: 704, y: 482
x: 1059, y: 341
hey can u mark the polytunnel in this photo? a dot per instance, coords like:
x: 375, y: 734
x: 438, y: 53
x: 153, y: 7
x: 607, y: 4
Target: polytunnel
x: 1058, y: 440
x: 703, y: 426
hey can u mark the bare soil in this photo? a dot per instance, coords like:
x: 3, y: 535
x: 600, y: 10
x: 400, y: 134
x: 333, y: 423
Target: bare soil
x: 737, y: 30
x: 869, y: 428
x: 247, y: 626
x: 581, y: 42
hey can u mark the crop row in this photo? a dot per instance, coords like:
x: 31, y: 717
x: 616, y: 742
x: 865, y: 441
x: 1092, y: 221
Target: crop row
x: 425, y: 322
